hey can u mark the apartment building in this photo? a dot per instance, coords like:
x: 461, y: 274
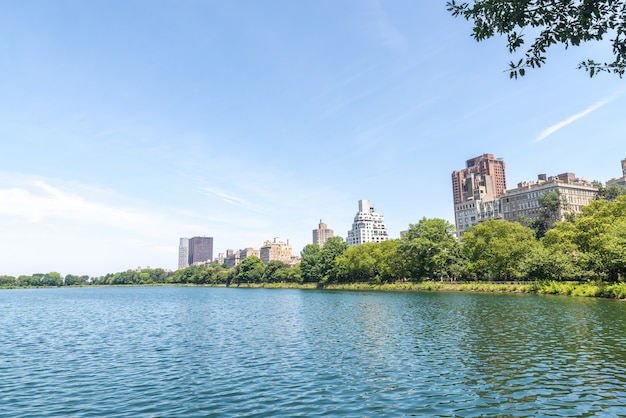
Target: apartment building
x: 523, y: 201
x: 233, y: 258
x: 321, y: 234
x: 476, y: 190
x: 368, y: 226
x: 276, y: 250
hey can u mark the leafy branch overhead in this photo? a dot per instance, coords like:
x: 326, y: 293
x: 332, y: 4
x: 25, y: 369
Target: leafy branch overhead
x: 567, y: 22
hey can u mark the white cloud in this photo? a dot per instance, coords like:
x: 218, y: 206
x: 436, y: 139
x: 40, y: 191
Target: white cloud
x: 552, y: 129
x: 224, y: 196
x: 36, y: 201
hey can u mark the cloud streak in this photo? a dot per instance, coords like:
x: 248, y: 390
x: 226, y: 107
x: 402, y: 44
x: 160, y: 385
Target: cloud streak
x: 38, y: 202
x: 552, y: 129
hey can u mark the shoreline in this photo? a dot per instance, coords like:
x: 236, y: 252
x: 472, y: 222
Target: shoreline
x: 601, y: 290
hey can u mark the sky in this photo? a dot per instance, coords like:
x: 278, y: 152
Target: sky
x: 126, y: 125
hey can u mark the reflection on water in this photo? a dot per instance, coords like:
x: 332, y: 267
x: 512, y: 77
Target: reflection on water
x: 253, y: 352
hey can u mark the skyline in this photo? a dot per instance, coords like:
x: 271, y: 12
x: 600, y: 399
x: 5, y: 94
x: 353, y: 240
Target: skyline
x: 126, y: 127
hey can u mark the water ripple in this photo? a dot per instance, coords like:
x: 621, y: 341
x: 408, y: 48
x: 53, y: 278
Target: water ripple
x: 203, y: 352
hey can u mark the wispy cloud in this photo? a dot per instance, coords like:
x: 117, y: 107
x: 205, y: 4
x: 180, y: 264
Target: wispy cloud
x: 552, y: 129
x: 37, y: 201
x: 224, y: 196
x: 386, y: 32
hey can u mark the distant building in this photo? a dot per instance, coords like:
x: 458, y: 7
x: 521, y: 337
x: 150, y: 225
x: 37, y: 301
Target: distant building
x: 233, y: 258
x: 199, y: 250
x: 368, y: 226
x: 476, y: 190
x: 321, y: 234
x: 249, y: 252
x: 621, y: 181
x: 524, y: 200
x: 183, y: 253
x: 276, y: 250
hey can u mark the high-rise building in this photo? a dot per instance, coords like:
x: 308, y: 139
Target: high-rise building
x: 483, y: 175
x: 275, y: 250
x: 368, y: 226
x: 321, y: 234
x: 200, y: 250
x: 476, y: 190
x: 183, y: 253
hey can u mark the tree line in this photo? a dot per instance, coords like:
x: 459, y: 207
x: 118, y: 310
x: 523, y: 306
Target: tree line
x: 590, y: 246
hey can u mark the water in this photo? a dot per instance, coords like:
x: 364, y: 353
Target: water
x: 212, y: 352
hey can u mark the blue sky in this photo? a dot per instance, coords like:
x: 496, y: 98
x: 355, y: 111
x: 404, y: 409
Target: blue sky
x: 129, y: 124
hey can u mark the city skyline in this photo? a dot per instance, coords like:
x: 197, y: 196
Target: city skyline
x: 127, y: 126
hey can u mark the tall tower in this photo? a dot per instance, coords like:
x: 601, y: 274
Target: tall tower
x: 476, y: 190
x: 321, y: 234
x: 200, y: 250
x: 484, y: 172
x: 183, y: 253
x: 368, y: 226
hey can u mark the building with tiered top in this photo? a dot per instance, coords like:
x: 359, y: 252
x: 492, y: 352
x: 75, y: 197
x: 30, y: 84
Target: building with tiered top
x: 368, y: 226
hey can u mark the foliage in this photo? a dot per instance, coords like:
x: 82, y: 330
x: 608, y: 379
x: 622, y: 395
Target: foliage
x: 496, y: 249
x: 250, y: 270
x: 566, y: 22
x: 610, y: 192
x: 552, y: 207
x: 327, y: 268
x: 370, y: 262
x: 430, y: 250
x: 309, y: 263
x: 278, y: 272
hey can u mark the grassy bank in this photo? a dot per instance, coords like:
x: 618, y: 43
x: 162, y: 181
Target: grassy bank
x: 584, y: 289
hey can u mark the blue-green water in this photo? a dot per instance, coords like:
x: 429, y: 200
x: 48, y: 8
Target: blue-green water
x: 201, y: 352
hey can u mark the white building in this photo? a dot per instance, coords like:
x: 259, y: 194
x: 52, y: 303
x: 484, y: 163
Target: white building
x: 368, y: 226
x: 183, y: 253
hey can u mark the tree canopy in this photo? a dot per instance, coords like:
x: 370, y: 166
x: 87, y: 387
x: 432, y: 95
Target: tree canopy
x: 566, y: 22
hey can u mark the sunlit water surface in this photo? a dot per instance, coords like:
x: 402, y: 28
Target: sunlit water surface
x: 202, y: 352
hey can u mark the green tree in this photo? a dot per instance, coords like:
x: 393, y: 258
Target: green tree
x: 429, y: 249
x: 7, y: 281
x: 610, y: 192
x: 250, y: 270
x: 496, y: 249
x: 561, y: 259
x: 275, y: 271
x: 333, y: 247
x: 552, y: 207
x: 374, y: 262
x: 598, y: 234
x: 310, y: 263
x: 566, y: 22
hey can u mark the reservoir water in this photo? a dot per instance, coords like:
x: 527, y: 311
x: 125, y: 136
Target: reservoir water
x: 213, y: 352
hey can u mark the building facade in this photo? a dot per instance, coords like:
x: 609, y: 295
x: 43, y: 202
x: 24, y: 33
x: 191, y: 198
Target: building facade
x: 482, y: 174
x: 183, y: 253
x: 321, y: 234
x: 200, y: 250
x: 368, y: 226
x: 476, y: 190
x: 233, y: 258
x: 621, y: 181
x: 523, y: 201
x: 275, y: 250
